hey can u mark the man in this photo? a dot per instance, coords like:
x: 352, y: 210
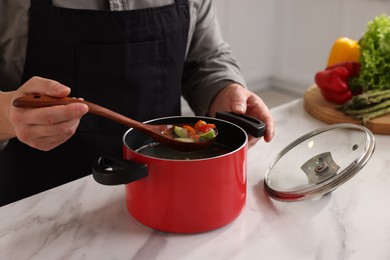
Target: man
x: 136, y: 57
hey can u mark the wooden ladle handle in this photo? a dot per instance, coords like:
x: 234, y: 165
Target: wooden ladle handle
x: 160, y: 133
x: 38, y: 101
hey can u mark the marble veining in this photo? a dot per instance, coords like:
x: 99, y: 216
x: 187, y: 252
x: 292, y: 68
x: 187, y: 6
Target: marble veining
x: 86, y: 220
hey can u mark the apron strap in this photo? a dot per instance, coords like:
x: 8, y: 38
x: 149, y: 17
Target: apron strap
x: 41, y: 3
x: 47, y: 3
x: 181, y: 1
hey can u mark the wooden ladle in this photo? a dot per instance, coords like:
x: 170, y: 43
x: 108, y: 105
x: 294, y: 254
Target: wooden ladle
x: 160, y: 133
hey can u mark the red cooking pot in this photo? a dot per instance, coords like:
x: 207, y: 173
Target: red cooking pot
x: 183, y: 192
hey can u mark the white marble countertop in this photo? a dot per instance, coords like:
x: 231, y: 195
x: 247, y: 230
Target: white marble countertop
x: 86, y: 220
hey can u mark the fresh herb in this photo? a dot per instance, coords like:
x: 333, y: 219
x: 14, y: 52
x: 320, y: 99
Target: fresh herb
x: 375, y: 54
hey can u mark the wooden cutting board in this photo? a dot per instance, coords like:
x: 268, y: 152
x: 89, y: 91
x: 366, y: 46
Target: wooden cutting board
x: 317, y: 106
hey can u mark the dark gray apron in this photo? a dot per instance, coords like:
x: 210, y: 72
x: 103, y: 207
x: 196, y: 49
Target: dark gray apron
x: 128, y: 61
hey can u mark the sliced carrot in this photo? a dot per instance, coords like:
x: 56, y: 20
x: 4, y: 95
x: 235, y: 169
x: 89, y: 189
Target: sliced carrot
x: 191, y: 131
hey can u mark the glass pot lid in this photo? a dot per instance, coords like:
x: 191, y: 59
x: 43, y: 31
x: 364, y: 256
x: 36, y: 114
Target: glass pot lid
x: 319, y: 162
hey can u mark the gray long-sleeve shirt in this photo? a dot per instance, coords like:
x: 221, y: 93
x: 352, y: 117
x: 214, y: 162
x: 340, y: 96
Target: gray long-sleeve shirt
x: 208, y: 56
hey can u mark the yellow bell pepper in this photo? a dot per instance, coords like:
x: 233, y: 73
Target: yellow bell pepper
x: 344, y: 50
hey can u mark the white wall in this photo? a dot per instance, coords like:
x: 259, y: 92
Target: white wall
x: 283, y: 43
x: 247, y: 26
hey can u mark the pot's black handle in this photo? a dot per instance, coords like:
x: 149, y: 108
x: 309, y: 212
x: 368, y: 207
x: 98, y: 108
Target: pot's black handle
x: 109, y: 170
x: 251, y: 125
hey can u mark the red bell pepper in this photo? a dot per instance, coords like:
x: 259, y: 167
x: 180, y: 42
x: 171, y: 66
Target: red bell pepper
x: 336, y: 82
x: 203, y: 127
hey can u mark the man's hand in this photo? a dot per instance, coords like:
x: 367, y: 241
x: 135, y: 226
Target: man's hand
x: 237, y: 99
x: 41, y: 128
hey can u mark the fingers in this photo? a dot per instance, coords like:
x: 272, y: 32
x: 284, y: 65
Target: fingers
x: 239, y: 104
x: 46, y: 128
x: 43, y: 86
x: 270, y: 131
x: 54, y: 136
x: 240, y: 100
x: 258, y: 109
x: 49, y: 115
x: 246, y: 102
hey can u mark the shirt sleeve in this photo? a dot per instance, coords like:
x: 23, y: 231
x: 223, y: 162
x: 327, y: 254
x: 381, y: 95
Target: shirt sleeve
x: 210, y: 65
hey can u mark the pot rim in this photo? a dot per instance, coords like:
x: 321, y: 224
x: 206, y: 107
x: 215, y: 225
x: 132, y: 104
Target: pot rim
x: 205, y: 118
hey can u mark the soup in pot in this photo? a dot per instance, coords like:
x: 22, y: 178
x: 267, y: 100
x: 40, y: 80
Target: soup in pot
x: 158, y: 150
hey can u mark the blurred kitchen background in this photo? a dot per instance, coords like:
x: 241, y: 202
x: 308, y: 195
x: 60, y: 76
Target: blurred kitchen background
x: 281, y: 44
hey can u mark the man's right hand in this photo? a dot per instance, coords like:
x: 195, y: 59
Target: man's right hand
x: 41, y: 128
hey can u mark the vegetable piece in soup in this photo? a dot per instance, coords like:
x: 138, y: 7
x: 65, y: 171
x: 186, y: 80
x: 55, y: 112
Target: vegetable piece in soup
x: 200, y: 132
